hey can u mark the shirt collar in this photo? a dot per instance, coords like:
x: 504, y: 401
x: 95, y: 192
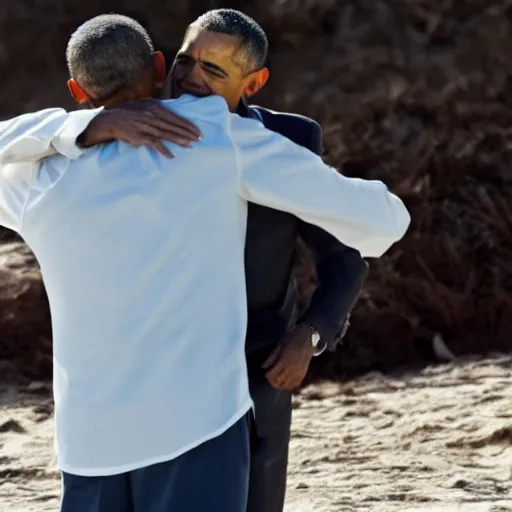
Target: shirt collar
x: 243, y: 109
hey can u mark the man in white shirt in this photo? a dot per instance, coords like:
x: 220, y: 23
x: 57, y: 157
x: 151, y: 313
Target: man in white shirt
x: 141, y: 255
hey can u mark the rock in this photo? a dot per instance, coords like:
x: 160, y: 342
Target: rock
x: 11, y: 426
x: 37, y: 387
x: 460, y: 484
x: 441, y: 350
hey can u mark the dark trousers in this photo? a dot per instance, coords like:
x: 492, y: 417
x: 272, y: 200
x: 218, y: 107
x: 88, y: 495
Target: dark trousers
x: 214, y: 476
x: 270, y: 436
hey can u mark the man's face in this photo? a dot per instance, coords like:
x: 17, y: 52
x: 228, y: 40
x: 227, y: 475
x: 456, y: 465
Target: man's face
x: 210, y: 63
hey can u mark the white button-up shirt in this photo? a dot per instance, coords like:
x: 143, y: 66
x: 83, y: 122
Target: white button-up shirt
x: 143, y: 261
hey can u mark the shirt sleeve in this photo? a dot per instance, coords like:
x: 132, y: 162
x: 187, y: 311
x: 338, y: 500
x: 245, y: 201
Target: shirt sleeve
x: 15, y: 182
x: 30, y: 137
x: 275, y: 172
x: 24, y: 141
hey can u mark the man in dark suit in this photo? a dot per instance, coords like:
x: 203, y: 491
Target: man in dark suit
x: 224, y: 52
x: 272, y: 332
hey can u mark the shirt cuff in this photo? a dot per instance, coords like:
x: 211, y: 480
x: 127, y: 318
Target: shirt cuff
x: 317, y: 321
x: 65, y: 139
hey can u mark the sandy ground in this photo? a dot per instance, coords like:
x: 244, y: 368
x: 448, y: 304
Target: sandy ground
x: 439, y: 440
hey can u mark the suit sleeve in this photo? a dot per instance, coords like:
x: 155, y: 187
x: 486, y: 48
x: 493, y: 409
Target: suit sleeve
x: 340, y: 270
x: 275, y: 172
x: 30, y: 137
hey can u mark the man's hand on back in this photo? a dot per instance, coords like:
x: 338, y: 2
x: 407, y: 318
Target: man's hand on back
x: 144, y: 123
x: 289, y: 362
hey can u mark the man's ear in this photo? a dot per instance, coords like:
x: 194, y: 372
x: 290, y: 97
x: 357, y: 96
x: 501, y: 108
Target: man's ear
x: 79, y: 95
x: 257, y: 81
x: 160, y: 70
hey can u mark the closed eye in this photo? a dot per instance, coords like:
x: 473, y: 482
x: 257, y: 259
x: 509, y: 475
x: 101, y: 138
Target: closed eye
x: 214, y: 70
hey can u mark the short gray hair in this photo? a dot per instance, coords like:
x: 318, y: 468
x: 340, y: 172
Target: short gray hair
x: 234, y: 23
x: 109, y: 53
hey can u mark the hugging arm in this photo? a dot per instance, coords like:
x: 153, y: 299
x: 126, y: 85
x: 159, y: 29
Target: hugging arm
x: 31, y: 137
x: 279, y: 174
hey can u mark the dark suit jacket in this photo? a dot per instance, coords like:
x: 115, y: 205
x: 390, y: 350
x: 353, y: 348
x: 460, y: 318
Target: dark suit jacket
x: 270, y: 248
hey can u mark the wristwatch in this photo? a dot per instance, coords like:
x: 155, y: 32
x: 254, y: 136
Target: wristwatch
x: 316, y: 341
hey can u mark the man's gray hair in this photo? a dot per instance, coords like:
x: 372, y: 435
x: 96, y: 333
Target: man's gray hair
x: 109, y: 53
x: 252, y: 37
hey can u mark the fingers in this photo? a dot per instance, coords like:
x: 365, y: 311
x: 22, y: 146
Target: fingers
x: 275, y: 377
x: 284, y: 379
x: 288, y: 372
x: 159, y: 131
x: 292, y: 382
x: 174, y: 135
x: 277, y: 370
x: 157, y: 145
x: 168, y: 120
x: 151, y: 109
x: 273, y: 358
x: 276, y: 367
x: 179, y: 123
x: 147, y: 122
x: 161, y: 148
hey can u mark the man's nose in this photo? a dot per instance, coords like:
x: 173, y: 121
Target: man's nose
x: 196, y: 82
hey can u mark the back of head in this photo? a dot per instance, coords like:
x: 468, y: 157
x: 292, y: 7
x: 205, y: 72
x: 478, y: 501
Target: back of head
x: 108, y: 54
x: 254, y: 42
